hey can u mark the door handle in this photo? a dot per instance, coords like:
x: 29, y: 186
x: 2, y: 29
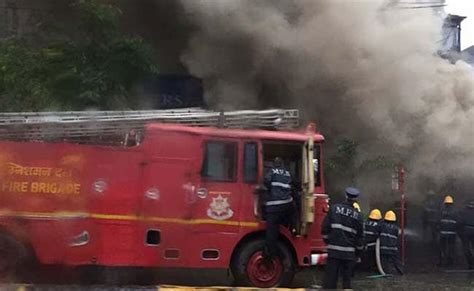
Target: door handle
x: 152, y: 193
x: 202, y: 193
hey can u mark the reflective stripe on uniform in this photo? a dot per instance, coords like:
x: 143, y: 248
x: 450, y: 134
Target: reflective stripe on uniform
x: 389, y: 235
x: 283, y: 185
x: 344, y: 228
x: 371, y: 244
x: 342, y: 249
x: 389, y: 248
x: 279, y: 202
x: 369, y: 232
x: 448, y: 221
x: 448, y: 232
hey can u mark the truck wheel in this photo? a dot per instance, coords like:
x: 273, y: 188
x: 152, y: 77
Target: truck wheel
x: 12, y: 255
x: 249, y: 268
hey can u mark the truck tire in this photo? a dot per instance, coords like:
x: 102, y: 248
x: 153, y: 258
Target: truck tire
x: 12, y: 256
x: 250, y: 269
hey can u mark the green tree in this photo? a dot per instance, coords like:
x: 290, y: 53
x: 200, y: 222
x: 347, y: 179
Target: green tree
x: 97, y: 67
x: 343, y: 162
x: 345, y: 166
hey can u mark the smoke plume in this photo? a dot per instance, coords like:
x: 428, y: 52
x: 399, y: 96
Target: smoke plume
x: 362, y: 69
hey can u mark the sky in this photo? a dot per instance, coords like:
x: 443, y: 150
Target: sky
x: 463, y: 8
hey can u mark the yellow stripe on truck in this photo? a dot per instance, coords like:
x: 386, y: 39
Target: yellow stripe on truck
x: 123, y: 217
x: 43, y: 215
x: 202, y: 221
x: 219, y: 288
x: 114, y: 217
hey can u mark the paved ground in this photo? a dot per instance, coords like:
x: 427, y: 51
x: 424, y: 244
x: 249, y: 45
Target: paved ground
x: 421, y: 281
x: 421, y: 274
x: 439, y: 280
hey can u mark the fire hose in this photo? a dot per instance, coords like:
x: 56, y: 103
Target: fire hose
x: 377, y: 258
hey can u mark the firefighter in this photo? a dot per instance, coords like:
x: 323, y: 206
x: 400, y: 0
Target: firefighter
x: 343, y: 232
x: 389, y: 243
x: 278, y: 207
x: 466, y: 232
x: 429, y: 217
x: 372, y: 233
x: 447, y: 233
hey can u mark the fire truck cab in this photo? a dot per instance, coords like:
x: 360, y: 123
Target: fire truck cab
x: 185, y: 197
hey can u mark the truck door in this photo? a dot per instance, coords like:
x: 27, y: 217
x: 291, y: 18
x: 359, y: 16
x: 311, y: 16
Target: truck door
x: 217, y: 206
x: 167, y: 194
x: 307, y: 183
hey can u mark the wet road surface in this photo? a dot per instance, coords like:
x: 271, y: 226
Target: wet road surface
x: 432, y: 281
x: 438, y: 280
x: 421, y: 271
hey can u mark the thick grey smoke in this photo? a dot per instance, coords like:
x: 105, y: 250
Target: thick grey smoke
x: 362, y: 69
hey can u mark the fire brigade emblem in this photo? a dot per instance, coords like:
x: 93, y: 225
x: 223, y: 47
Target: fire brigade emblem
x: 219, y: 208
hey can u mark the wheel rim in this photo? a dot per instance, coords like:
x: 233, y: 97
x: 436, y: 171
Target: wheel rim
x: 264, y: 273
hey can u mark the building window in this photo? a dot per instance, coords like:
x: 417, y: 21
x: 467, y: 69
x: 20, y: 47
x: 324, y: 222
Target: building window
x: 220, y: 161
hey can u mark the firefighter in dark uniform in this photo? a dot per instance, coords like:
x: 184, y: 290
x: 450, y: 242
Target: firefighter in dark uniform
x: 372, y: 233
x: 466, y: 232
x: 447, y: 227
x: 389, y: 231
x: 343, y: 232
x: 278, y: 206
x: 429, y: 218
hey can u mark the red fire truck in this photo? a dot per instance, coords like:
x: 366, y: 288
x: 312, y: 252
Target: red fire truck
x: 177, y: 196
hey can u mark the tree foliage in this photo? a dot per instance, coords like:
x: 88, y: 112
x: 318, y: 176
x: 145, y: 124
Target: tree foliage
x: 97, y: 66
x: 345, y: 163
x: 345, y: 157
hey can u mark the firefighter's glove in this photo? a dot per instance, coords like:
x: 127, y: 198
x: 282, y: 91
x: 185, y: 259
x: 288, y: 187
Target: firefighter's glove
x: 260, y: 190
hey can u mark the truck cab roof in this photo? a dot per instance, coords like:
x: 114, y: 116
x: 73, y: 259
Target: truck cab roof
x: 234, y: 133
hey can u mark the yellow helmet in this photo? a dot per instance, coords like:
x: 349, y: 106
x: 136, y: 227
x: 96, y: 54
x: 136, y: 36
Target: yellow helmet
x: 356, y: 206
x: 390, y: 216
x: 375, y: 214
x: 448, y: 199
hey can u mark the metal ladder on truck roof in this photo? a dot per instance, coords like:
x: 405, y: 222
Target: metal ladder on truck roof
x: 115, y: 127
